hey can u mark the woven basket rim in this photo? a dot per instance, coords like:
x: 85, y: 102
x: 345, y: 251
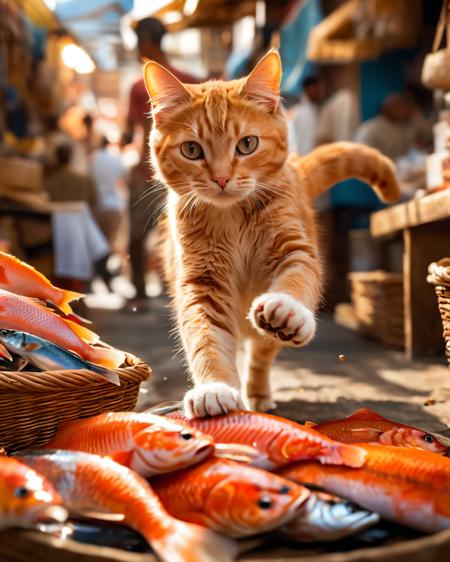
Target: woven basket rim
x: 439, y: 272
x: 69, y: 380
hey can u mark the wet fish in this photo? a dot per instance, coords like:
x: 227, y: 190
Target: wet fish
x: 26, y: 497
x: 22, y: 279
x: 367, y: 426
x: 279, y: 441
x: 233, y: 499
x: 98, y: 484
x: 328, y: 518
x: 49, y: 356
x: 24, y: 314
x: 407, y: 486
x: 145, y: 443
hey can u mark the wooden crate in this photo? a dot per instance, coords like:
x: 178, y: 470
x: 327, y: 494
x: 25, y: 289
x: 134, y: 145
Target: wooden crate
x: 377, y: 298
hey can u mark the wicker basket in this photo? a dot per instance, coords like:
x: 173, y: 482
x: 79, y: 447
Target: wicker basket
x: 33, y: 404
x: 439, y: 276
x: 377, y: 298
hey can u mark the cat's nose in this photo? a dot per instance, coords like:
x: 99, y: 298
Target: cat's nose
x: 222, y: 181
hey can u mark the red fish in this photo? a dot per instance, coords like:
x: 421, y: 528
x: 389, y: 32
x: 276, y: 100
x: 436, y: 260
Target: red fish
x: 365, y: 425
x: 22, y: 279
x: 231, y: 498
x: 89, y: 483
x: 24, y: 314
x: 26, y: 497
x: 145, y: 443
x: 408, y: 486
x: 279, y: 441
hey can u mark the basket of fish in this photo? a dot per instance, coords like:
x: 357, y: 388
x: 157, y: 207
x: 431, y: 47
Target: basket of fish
x: 156, y: 486
x: 52, y: 367
x: 439, y: 276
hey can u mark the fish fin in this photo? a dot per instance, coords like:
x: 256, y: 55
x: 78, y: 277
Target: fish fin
x: 32, y: 346
x: 82, y: 332
x: 364, y: 414
x: 5, y: 353
x: 112, y: 376
x: 366, y: 435
x: 78, y: 319
x: 164, y: 408
x: 348, y: 455
x: 236, y: 452
x: 99, y: 515
x: 309, y: 423
x: 106, y: 357
x: 66, y: 298
x: 186, y: 542
x: 122, y: 457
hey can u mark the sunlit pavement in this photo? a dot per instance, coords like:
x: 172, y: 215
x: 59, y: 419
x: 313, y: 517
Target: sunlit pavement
x: 311, y: 383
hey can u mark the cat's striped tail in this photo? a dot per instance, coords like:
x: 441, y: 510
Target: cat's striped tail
x: 332, y: 163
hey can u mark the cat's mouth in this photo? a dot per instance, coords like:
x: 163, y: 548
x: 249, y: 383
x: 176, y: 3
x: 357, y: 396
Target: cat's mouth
x: 227, y: 197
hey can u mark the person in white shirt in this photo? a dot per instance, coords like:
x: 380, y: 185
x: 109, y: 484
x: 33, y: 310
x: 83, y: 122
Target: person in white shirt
x: 304, y: 117
x: 108, y: 171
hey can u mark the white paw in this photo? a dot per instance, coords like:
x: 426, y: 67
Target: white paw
x: 211, y: 399
x: 282, y: 317
x: 261, y: 404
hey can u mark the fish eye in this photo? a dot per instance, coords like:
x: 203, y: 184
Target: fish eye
x: 186, y: 435
x: 428, y: 438
x: 285, y: 489
x: 3, y: 332
x: 192, y: 150
x: 265, y: 502
x: 22, y: 492
x: 247, y: 145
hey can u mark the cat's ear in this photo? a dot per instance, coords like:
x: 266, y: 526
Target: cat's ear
x: 164, y: 89
x: 263, y: 83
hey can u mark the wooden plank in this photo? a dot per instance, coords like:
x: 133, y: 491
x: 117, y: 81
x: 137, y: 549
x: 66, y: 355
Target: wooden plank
x: 431, y: 208
x: 423, y: 329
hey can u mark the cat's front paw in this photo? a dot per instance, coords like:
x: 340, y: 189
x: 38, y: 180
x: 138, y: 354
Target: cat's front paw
x: 211, y: 399
x: 282, y: 317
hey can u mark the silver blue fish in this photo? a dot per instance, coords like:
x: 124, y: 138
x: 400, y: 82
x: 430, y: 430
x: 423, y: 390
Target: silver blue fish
x: 49, y: 356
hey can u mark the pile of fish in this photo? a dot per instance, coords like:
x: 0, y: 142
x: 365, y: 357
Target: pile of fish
x: 191, y: 488
x: 38, y: 329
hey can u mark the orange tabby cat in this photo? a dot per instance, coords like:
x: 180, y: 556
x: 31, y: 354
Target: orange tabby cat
x: 241, y: 249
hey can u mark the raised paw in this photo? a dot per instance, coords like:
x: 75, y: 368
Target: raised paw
x: 282, y: 317
x: 211, y: 399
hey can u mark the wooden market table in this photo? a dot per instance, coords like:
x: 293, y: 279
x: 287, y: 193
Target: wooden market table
x: 425, y: 224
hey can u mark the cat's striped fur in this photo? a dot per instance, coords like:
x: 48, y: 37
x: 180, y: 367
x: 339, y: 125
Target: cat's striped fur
x: 242, y: 259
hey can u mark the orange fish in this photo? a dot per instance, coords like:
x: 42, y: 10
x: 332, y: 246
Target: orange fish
x: 143, y: 442
x: 24, y: 314
x: 22, y: 279
x: 230, y: 498
x: 89, y: 483
x: 26, y: 497
x: 367, y: 426
x: 279, y: 441
x: 408, y: 486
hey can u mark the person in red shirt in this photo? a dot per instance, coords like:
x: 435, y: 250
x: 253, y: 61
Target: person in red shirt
x: 144, y: 195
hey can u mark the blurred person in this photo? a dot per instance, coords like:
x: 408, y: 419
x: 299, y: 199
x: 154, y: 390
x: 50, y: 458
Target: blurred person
x: 108, y: 171
x: 304, y: 117
x: 144, y: 194
x: 339, y: 116
x: 66, y: 185
x: 393, y: 131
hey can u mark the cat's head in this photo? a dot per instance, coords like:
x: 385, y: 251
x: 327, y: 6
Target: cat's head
x: 219, y: 141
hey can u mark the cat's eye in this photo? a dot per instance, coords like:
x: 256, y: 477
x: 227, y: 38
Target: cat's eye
x: 247, y: 145
x: 191, y: 150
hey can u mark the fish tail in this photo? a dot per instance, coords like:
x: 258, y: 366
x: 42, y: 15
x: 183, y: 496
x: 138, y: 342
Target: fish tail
x: 111, y: 376
x: 66, y: 297
x: 348, y: 455
x: 186, y: 542
x: 106, y: 357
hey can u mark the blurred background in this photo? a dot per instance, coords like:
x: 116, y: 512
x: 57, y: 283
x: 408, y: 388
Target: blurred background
x: 76, y: 198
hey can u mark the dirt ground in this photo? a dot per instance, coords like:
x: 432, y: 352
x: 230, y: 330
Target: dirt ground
x: 311, y: 383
